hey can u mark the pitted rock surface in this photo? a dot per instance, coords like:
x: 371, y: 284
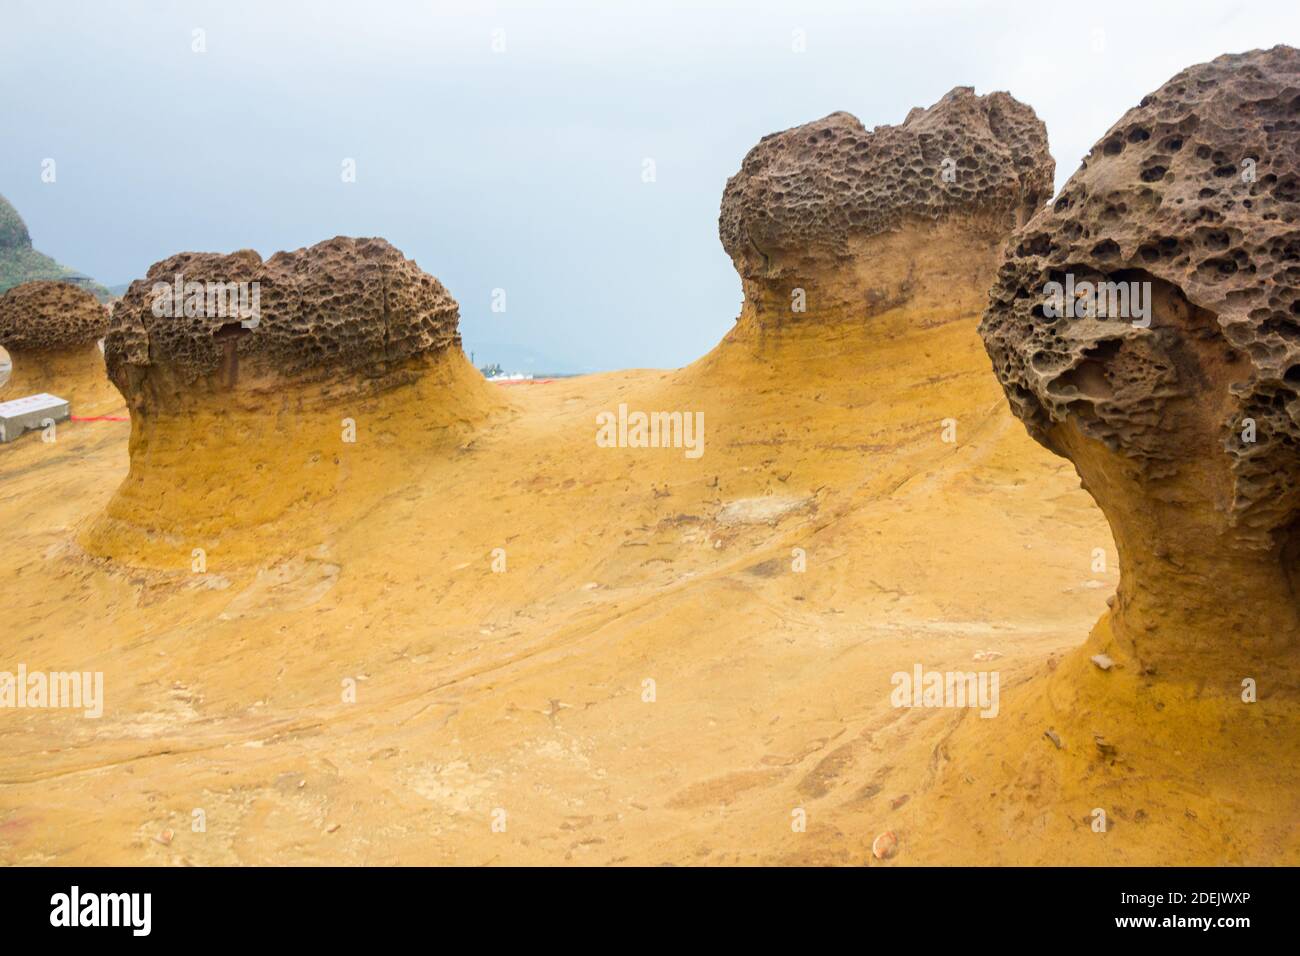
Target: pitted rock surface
x: 46, y: 316
x: 344, y: 306
x: 1197, y: 190
x: 814, y: 188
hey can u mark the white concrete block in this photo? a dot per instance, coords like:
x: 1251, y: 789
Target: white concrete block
x: 29, y: 412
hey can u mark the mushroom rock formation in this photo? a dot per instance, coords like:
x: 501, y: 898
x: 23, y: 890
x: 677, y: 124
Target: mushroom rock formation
x: 865, y: 258
x: 1181, y: 412
x: 51, y: 331
x: 260, y: 388
x: 855, y: 222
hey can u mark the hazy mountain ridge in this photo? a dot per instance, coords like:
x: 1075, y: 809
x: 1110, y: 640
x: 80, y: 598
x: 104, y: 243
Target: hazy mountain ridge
x: 20, y: 263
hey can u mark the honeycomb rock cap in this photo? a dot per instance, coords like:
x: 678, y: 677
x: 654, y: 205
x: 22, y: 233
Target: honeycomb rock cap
x: 816, y: 187
x: 48, y: 316
x: 1196, y: 189
x: 343, y: 308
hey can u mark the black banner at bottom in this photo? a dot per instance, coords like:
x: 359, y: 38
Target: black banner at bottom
x: 333, y: 906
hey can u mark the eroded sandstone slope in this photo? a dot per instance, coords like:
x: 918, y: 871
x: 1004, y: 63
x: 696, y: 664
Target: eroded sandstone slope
x: 523, y: 646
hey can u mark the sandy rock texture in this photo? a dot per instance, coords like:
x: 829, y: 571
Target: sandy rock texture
x: 525, y: 690
x: 1185, y: 426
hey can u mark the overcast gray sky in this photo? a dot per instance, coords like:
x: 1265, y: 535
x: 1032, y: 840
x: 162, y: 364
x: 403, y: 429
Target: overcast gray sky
x: 520, y: 170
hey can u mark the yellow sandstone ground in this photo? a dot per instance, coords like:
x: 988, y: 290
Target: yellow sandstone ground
x: 526, y: 691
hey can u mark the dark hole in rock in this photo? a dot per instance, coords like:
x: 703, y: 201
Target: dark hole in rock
x: 1089, y: 378
x: 229, y: 334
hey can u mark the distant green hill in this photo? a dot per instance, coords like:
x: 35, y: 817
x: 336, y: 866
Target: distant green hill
x: 20, y: 263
